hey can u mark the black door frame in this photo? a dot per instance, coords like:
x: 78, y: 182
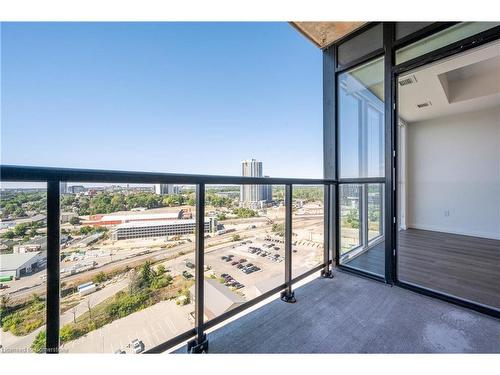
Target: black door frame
x: 391, y: 73
x: 397, y: 70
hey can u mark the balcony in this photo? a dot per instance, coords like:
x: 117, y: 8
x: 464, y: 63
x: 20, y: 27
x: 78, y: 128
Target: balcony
x: 350, y: 314
x: 395, y: 250
x: 366, y: 316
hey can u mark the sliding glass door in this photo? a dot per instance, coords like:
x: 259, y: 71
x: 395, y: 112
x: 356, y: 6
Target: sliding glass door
x: 448, y: 222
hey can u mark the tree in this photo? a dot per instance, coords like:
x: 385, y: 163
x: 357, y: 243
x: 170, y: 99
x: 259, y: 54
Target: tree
x: 243, y: 212
x: 235, y: 237
x: 279, y: 229
x: 8, y: 235
x: 147, y: 274
x: 89, y: 307
x: 100, y: 278
x: 20, y: 230
x: 73, y: 310
x: 75, y: 220
x: 4, y: 302
x: 160, y: 270
x: 38, y: 345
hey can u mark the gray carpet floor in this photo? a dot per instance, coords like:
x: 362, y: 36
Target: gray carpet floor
x: 350, y: 314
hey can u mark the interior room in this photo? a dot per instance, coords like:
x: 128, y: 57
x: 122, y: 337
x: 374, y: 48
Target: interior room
x: 449, y: 176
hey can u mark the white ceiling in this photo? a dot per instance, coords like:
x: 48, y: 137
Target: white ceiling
x: 463, y: 83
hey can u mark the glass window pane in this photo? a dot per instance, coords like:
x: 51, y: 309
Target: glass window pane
x: 361, y: 228
x: 406, y: 28
x: 244, y: 256
x: 361, y: 45
x: 127, y: 270
x: 361, y: 121
x: 375, y: 211
x: 350, y: 217
x: 441, y: 39
x: 23, y: 261
x: 308, y: 223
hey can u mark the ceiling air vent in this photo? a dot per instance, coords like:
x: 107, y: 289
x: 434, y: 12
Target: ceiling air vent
x: 409, y: 80
x: 423, y: 105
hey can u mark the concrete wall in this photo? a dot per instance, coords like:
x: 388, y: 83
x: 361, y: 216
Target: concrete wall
x: 453, y: 174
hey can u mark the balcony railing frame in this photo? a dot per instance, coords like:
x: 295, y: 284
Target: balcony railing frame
x: 198, y: 342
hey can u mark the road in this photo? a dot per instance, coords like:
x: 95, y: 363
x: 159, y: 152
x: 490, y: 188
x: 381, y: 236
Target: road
x: 39, y: 287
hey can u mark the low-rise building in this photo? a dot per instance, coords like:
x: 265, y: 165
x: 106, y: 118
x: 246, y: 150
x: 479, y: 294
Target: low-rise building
x: 21, y: 264
x: 160, y: 228
x: 129, y: 217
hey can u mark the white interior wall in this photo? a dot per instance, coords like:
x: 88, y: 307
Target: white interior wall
x: 452, y: 174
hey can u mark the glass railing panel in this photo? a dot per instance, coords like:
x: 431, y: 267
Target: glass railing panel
x: 23, y: 260
x: 128, y: 266
x: 244, y: 252
x: 308, y: 224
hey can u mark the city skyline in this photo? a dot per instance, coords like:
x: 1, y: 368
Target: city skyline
x: 141, y: 99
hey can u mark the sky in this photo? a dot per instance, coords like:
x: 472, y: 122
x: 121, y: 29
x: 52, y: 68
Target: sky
x: 163, y: 97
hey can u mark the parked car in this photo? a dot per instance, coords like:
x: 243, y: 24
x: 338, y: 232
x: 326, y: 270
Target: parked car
x: 224, y: 275
x: 240, y: 266
x: 223, y: 257
x: 242, y: 260
x: 137, y: 346
x: 234, y: 263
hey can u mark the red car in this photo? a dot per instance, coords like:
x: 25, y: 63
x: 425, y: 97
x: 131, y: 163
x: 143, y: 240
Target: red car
x: 243, y: 260
x: 234, y: 263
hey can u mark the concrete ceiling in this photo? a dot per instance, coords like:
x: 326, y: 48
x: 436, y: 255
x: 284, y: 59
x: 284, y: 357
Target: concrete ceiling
x: 323, y: 34
x: 463, y: 83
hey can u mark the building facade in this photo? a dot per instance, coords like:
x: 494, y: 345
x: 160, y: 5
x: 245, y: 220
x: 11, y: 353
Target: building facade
x: 164, y: 189
x: 161, y: 228
x: 254, y: 195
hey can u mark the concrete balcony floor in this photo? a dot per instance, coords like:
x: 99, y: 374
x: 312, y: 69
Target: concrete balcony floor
x: 350, y: 314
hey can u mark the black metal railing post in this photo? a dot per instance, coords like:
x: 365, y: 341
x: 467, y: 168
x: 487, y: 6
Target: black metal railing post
x: 200, y: 343
x: 53, y: 265
x: 327, y: 233
x: 287, y: 295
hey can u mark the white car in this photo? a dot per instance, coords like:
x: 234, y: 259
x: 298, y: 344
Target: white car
x: 137, y: 346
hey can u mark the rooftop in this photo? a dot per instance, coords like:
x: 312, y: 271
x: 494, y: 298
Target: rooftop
x: 14, y: 261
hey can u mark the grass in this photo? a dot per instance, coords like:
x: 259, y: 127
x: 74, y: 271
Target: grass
x: 24, y: 318
x: 121, y: 305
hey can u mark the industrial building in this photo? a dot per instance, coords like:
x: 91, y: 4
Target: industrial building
x: 160, y: 228
x: 127, y: 217
x: 21, y: 264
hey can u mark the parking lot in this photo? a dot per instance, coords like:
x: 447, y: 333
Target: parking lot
x: 269, y: 258
x: 153, y: 326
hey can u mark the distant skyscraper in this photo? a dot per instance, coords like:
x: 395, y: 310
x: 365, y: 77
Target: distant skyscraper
x: 252, y: 194
x: 163, y: 189
x: 64, y: 187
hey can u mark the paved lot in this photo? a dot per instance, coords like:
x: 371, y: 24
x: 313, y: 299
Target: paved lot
x: 152, y: 326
